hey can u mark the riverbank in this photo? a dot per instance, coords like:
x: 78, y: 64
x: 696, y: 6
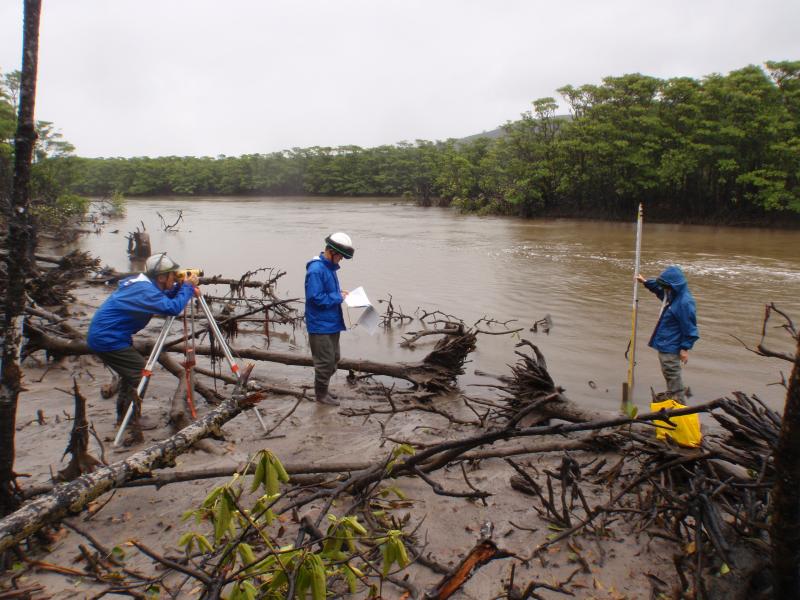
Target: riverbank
x: 754, y: 217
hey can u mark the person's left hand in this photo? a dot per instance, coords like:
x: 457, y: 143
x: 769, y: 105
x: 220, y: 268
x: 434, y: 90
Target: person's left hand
x: 344, y: 293
x: 684, y: 355
x: 193, y: 279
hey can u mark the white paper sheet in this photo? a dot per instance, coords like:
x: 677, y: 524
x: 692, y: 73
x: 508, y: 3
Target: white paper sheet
x: 369, y: 320
x: 357, y: 298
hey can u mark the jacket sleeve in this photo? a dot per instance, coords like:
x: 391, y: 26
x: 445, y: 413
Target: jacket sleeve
x: 687, y: 319
x: 149, y: 299
x: 653, y: 286
x: 316, y: 294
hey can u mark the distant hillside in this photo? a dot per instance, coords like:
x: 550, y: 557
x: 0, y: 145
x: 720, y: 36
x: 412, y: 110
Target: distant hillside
x: 500, y: 131
x: 493, y: 134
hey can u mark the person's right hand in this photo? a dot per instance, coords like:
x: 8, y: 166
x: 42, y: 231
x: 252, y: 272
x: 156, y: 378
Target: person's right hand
x: 193, y: 279
x: 640, y: 278
x: 344, y: 294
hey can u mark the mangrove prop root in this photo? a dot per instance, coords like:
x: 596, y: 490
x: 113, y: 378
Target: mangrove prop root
x: 81, y: 461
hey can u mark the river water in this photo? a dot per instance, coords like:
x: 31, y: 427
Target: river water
x: 578, y: 272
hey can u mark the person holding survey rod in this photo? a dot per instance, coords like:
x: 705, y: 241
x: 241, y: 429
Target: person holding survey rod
x: 324, y: 318
x: 676, y: 330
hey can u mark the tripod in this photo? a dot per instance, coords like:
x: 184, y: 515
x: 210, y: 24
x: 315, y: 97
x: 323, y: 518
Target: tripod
x: 147, y: 372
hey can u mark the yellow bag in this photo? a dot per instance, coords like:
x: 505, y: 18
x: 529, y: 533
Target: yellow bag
x: 686, y: 431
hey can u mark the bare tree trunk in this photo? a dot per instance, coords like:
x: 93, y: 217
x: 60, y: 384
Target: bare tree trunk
x: 785, y: 529
x: 141, y: 245
x: 21, y: 243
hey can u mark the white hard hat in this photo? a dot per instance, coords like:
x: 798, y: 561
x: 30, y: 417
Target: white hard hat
x: 341, y: 243
x: 160, y: 263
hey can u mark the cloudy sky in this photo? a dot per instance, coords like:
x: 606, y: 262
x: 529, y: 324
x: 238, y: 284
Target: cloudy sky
x: 210, y: 77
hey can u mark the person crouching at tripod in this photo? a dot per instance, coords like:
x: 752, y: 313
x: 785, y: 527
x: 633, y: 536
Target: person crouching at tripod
x: 324, y: 319
x: 127, y: 311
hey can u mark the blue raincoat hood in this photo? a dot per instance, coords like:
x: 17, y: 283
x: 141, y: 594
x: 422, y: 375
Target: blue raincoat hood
x: 674, y: 277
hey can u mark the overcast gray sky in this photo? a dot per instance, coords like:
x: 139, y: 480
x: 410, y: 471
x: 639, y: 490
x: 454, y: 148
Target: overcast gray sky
x: 209, y: 77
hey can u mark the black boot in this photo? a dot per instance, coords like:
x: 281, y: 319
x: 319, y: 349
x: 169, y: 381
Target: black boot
x: 322, y: 395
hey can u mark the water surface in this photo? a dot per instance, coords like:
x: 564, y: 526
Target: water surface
x: 578, y: 272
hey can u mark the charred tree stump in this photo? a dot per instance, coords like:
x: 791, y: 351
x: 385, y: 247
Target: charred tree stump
x: 139, y: 243
x: 81, y: 461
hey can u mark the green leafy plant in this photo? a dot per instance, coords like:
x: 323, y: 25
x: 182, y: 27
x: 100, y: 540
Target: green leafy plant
x: 238, y: 546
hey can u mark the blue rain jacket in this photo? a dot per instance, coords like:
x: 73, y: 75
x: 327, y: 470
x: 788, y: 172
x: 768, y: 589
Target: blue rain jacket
x: 130, y: 309
x: 323, y: 297
x: 676, y: 330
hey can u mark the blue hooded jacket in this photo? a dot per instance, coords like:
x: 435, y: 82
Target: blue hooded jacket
x: 676, y: 329
x: 130, y: 308
x: 323, y: 297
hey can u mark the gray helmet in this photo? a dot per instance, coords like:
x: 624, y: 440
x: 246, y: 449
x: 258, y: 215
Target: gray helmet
x: 159, y: 264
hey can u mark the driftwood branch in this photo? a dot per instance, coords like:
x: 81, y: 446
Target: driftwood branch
x: 484, y: 552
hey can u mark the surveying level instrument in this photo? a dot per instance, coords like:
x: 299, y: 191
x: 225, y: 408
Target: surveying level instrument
x: 182, y: 274
x: 147, y: 372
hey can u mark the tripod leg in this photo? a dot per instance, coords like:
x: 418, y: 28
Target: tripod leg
x: 225, y: 348
x: 146, y: 373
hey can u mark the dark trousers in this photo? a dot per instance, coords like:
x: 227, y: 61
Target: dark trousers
x: 326, y: 354
x: 671, y: 369
x: 128, y: 364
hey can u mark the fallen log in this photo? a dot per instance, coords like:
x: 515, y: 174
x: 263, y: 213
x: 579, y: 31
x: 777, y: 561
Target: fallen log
x: 73, y: 260
x: 72, y: 497
x: 298, y: 470
x: 241, y: 283
x: 434, y: 373
x: 437, y: 372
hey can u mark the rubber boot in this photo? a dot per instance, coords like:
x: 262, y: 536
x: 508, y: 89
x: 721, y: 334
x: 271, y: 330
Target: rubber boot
x: 124, y: 397
x: 322, y: 395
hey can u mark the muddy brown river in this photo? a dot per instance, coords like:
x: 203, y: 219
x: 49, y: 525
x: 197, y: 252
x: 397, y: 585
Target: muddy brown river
x: 578, y: 272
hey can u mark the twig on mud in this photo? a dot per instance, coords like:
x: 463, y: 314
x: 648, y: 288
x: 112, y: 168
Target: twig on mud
x: 199, y: 575
x: 283, y: 418
x: 440, y: 491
